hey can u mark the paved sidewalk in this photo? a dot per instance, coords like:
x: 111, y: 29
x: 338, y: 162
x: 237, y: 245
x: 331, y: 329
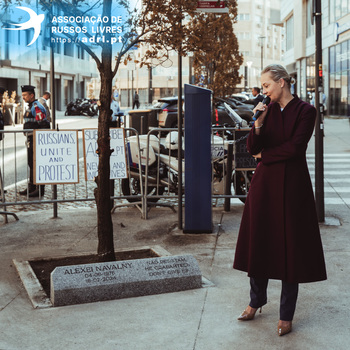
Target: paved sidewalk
x: 197, y: 319
x: 201, y: 319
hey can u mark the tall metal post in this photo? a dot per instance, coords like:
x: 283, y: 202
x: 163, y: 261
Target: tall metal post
x: 128, y: 89
x: 53, y: 104
x: 319, y: 166
x: 150, y: 94
x: 132, y: 88
x: 179, y: 124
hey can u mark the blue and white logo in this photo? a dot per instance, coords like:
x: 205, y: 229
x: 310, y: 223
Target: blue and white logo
x: 34, y: 22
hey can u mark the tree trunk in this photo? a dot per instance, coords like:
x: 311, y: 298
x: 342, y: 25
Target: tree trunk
x: 104, y: 219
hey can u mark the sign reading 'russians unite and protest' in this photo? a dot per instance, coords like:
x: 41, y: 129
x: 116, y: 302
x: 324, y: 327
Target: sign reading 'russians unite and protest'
x: 118, y: 168
x: 56, y: 157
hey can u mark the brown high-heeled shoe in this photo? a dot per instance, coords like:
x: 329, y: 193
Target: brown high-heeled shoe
x: 248, y: 315
x: 282, y: 330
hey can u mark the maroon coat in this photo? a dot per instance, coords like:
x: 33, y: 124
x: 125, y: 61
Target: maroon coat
x: 279, y: 237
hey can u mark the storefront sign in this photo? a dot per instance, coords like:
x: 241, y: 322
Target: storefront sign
x: 213, y: 6
x: 339, y: 29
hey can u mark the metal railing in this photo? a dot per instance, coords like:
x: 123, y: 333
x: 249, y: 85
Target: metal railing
x: 14, y: 175
x: 159, y: 177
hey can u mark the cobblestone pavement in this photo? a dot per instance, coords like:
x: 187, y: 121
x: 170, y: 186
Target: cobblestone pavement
x: 81, y: 196
x: 83, y: 190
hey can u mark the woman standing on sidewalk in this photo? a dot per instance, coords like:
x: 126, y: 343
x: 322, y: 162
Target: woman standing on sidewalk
x: 279, y: 236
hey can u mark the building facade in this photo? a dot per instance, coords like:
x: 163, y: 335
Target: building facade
x: 260, y: 36
x: 299, y: 57
x: 23, y: 64
x: 153, y: 82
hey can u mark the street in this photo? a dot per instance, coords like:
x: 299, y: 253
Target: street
x: 336, y: 162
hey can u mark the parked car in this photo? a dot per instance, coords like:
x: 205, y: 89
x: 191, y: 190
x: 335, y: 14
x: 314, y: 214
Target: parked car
x: 245, y: 111
x: 242, y: 97
x: 243, y: 104
x: 167, y: 117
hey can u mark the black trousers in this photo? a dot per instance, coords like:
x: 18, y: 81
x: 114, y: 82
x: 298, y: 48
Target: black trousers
x: 30, y: 158
x: 289, y: 296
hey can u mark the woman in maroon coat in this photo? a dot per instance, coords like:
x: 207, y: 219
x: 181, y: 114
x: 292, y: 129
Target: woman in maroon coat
x: 279, y: 237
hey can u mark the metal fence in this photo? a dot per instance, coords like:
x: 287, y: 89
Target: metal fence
x: 151, y: 162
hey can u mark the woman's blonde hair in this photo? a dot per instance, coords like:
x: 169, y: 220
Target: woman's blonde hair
x: 278, y: 72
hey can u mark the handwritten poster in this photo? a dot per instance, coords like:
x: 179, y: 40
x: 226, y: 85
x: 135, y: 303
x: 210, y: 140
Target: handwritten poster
x: 118, y: 168
x: 243, y: 159
x: 56, y: 157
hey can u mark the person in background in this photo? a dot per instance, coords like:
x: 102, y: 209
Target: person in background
x: 323, y: 101
x: 257, y: 96
x: 34, y: 118
x: 43, y: 100
x: 116, y: 118
x: 136, y: 101
x: 279, y: 236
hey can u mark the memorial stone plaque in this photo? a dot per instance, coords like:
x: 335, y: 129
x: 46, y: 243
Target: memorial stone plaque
x: 123, y: 279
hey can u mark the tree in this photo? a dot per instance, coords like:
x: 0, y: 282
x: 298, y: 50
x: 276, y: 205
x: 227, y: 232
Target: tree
x: 141, y: 25
x: 134, y: 28
x: 80, y: 8
x: 162, y: 25
x: 216, y: 50
x: 168, y: 20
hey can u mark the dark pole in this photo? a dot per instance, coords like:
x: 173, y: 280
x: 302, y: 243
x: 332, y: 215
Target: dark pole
x: 245, y: 78
x: 128, y: 90
x: 132, y: 88
x: 53, y: 104
x: 227, y: 205
x: 179, y: 141
x: 150, y: 95
x: 319, y: 168
x: 179, y: 128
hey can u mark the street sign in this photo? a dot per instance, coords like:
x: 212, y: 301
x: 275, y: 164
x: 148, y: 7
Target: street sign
x: 212, y: 6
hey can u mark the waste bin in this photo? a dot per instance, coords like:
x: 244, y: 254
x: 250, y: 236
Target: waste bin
x: 143, y: 119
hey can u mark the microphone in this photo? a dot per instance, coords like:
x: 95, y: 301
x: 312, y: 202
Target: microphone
x: 265, y: 101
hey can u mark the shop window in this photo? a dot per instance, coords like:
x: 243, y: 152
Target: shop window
x: 68, y: 49
x: 310, y: 29
x: 343, y: 93
x: 290, y: 33
x: 345, y: 54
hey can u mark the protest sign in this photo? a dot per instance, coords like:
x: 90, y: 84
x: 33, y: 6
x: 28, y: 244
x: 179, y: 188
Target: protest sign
x: 56, y: 157
x: 118, y: 168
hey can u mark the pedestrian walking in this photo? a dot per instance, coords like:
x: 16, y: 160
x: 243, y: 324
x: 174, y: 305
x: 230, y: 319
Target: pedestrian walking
x: 323, y: 101
x: 136, y: 101
x: 34, y: 118
x: 279, y: 236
